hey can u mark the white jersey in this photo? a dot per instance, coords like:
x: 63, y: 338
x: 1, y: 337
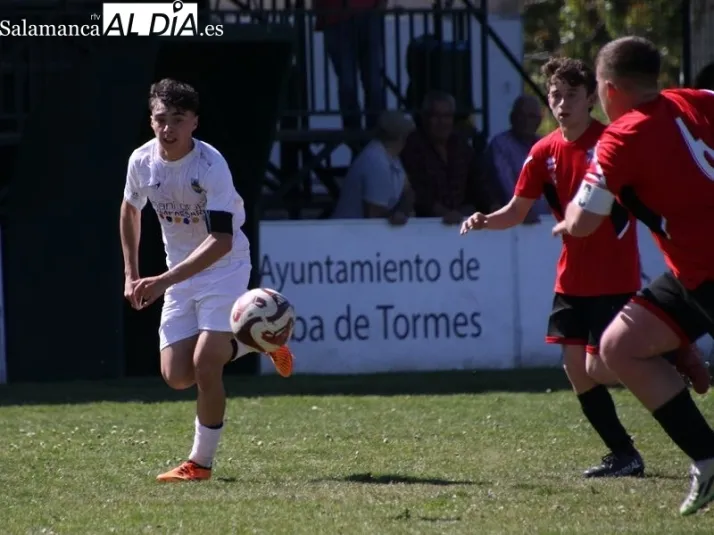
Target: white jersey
x: 181, y: 192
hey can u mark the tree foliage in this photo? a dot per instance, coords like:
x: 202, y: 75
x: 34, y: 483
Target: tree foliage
x: 578, y: 28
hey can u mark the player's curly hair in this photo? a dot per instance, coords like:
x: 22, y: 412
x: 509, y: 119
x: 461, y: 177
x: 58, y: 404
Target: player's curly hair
x: 574, y: 72
x: 174, y: 94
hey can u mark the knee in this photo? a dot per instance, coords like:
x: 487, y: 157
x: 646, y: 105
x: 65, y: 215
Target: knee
x: 573, y: 364
x: 178, y: 379
x: 611, y: 350
x: 573, y: 369
x: 599, y: 372
x: 592, y: 366
x: 209, y: 372
x: 213, y: 352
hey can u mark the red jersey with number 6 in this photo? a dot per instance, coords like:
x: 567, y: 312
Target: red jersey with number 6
x: 659, y: 161
x: 605, y: 263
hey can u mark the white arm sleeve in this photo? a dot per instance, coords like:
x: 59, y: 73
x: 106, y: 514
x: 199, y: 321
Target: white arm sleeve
x: 133, y: 193
x: 594, y: 198
x: 221, y: 194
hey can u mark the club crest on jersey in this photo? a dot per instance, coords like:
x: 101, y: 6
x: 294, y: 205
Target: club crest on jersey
x: 195, y: 186
x: 550, y: 163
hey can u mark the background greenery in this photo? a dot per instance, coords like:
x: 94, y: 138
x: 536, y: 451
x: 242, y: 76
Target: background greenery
x: 578, y: 28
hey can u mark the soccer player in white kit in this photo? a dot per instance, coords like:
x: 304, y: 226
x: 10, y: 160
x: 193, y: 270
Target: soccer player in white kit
x: 191, y: 189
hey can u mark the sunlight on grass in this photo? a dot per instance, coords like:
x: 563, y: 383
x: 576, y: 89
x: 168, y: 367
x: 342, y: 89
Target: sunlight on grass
x: 440, y: 453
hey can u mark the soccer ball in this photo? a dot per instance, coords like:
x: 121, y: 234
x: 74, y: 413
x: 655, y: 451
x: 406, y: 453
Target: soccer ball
x: 263, y: 319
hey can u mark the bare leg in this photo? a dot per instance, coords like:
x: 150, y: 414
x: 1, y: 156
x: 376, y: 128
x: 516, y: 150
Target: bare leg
x: 630, y: 347
x: 213, y: 351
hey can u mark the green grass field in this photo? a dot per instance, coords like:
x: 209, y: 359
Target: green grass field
x: 449, y: 453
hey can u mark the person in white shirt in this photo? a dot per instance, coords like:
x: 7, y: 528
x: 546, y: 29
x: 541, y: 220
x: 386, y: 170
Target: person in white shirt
x: 190, y: 187
x: 376, y: 185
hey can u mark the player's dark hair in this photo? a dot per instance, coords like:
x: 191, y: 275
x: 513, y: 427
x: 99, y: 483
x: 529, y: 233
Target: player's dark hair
x: 574, y: 72
x: 631, y: 59
x: 174, y: 94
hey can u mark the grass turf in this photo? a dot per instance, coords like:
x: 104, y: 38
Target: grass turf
x: 461, y: 453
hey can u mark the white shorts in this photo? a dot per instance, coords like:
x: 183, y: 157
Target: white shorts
x: 201, y: 304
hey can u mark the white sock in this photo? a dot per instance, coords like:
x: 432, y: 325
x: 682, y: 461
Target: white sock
x: 205, y: 444
x: 243, y: 349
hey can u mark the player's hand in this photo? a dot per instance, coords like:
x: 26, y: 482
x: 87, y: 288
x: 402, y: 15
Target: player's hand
x: 475, y: 221
x: 398, y: 219
x: 149, y: 290
x: 560, y: 228
x: 129, y: 287
x: 452, y: 217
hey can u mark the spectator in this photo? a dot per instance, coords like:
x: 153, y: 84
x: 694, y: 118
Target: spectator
x: 444, y: 170
x: 507, y: 152
x: 375, y: 185
x: 353, y: 37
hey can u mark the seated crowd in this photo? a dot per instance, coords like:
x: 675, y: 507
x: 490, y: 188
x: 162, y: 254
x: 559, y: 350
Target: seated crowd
x: 433, y: 165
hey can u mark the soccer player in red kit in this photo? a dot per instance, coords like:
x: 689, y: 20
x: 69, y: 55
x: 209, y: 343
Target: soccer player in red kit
x: 657, y: 157
x: 586, y: 299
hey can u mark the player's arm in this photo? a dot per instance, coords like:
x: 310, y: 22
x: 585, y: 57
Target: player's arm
x: 514, y: 213
x: 221, y: 199
x: 586, y: 212
x: 528, y: 188
x: 130, y: 233
x: 211, y: 250
x: 593, y: 202
x: 130, y: 223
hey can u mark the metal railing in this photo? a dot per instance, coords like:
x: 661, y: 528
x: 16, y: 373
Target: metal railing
x: 434, y: 46
x: 426, y: 44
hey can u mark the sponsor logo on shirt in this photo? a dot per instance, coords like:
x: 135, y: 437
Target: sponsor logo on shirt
x: 180, y: 213
x: 550, y: 163
x: 589, y: 155
x: 195, y: 186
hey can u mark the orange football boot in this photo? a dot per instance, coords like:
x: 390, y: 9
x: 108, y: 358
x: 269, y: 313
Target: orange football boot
x: 283, y: 360
x: 187, y: 471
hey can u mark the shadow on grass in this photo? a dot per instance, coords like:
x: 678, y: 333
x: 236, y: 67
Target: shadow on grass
x: 668, y: 477
x: 407, y: 515
x: 396, y: 479
x: 440, y: 518
x: 153, y: 390
x: 541, y: 489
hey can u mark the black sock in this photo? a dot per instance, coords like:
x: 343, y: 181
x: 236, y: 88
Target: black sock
x: 599, y: 409
x: 684, y: 423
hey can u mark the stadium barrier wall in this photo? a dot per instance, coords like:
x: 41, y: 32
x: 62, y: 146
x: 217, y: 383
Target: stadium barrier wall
x: 372, y: 298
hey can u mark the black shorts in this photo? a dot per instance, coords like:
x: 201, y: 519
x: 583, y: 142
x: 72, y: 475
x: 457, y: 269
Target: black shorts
x: 580, y: 321
x: 689, y: 313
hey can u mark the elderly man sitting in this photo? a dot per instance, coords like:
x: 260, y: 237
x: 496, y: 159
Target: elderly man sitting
x: 376, y: 184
